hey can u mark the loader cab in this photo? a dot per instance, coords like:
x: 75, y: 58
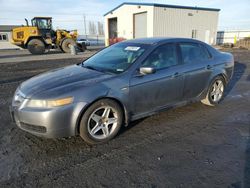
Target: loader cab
x: 43, y: 23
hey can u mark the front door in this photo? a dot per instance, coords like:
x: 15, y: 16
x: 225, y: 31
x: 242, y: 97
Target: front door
x: 154, y: 91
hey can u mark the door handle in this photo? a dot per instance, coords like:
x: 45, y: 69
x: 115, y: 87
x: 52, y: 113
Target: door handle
x: 209, y: 67
x: 176, y: 75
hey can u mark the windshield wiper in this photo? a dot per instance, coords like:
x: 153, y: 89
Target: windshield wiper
x: 89, y: 67
x: 97, y: 69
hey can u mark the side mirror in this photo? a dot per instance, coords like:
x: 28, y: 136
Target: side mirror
x: 147, y: 70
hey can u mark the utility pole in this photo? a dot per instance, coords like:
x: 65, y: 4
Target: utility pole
x: 85, y: 30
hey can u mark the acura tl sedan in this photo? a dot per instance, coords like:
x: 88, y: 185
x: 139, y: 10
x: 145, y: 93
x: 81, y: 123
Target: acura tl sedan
x: 124, y: 82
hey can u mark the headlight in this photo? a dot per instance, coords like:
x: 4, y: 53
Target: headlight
x: 34, y: 103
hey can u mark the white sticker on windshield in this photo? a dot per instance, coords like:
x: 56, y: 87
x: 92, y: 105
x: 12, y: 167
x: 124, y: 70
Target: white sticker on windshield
x: 119, y: 70
x: 132, y: 48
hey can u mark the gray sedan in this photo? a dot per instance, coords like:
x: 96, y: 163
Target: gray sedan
x: 121, y: 83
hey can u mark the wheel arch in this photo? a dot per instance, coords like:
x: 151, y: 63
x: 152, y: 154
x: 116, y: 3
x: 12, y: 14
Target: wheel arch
x: 212, y: 77
x: 219, y: 72
x: 223, y: 75
x: 124, y: 111
x: 63, y: 39
x: 34, y: 37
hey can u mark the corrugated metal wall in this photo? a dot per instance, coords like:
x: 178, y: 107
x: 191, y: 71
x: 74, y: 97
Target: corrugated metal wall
x: 7, y: 44
x: 166, y: 22
x: 231, y: 36
x: 172, y: 22
x: 140, y: 25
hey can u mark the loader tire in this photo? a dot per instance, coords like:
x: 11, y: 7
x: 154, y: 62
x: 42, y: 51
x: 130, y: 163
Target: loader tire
x: 66, y: 45
x: 36, y: 46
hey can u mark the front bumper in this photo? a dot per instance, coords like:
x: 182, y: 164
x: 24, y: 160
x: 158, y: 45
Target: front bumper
x: 50, y: 123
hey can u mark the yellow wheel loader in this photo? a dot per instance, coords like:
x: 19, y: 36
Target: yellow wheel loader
x: 40, y: 36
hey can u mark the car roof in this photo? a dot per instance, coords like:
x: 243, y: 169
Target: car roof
x: 158, y: 40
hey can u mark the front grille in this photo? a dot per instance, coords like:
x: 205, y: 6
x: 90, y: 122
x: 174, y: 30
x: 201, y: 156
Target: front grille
x: 36, y: 128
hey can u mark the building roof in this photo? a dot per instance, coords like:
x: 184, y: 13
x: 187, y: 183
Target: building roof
x: 8, y: 28
x: 163, y: 5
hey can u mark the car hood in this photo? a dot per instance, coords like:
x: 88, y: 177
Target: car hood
x: 62, y: 77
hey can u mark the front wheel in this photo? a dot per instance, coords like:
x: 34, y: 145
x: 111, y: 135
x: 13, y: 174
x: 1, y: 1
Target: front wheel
x: 66, y: 45
x: 101, y: 121
x: 215, y: 92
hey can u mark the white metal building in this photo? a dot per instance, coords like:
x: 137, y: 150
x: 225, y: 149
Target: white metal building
x: 231, y: 36
x: 5, y: 37
x: 138, y: 20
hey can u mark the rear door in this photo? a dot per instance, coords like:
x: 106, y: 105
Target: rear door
x: 197, y: 68
x: 140, y: 25
x: 154, y: 91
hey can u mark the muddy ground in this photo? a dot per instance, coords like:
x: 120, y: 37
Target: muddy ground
x: 191, y: 146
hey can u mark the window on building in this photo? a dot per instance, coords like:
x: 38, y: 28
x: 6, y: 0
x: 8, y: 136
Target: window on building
x: 3, y: 37
x: 194, y: 34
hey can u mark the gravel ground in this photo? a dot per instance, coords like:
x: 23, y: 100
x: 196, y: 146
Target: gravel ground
x: 191, y: 146
x: 10, y: 56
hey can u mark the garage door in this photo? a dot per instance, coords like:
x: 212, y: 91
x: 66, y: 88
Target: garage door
x: 140, y: 25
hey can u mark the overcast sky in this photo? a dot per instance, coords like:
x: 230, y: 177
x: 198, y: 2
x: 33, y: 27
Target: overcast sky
x: 68, y: 14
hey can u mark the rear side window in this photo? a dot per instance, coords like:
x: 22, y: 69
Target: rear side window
x: 162, y: 57
x: 193, y: 53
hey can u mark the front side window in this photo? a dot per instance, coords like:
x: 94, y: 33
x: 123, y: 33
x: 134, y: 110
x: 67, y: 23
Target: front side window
x: 163, y: 57
x: 193, y: 53
x: 116, y: 58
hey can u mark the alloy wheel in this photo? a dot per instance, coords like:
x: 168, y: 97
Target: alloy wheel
x: 102, y: 122
x: 217, y: 91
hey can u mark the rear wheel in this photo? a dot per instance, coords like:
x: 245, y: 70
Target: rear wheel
x: 36, y: 46
x: 215, y: 92
x: 81, y: 47
x: 101, y: 121
x: 66, y: 45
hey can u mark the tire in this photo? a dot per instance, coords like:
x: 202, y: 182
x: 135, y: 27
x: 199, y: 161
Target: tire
x: 65, y: 46
x: 215, y: 94
x: 81, y: 47
x: 36, y: 46
x: 101, y: 122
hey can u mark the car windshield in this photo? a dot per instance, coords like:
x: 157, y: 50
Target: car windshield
x: 116, y: 58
